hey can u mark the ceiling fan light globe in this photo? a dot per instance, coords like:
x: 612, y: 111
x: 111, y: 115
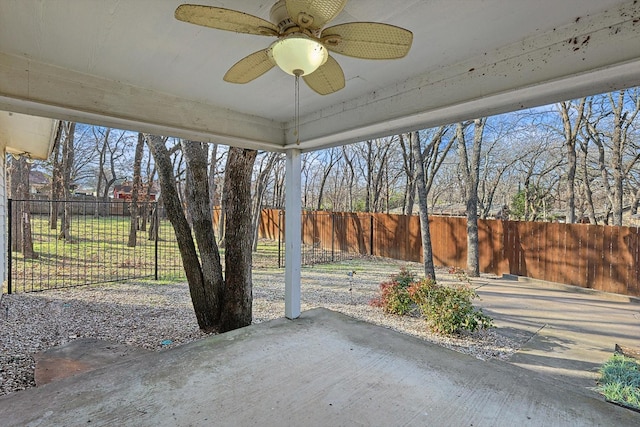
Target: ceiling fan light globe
x: 298, y: 54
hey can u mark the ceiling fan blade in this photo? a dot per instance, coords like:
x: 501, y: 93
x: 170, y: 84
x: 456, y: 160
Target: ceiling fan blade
x: 368, y: 40
x: 225, y: 19
x: 327, y: 79
x: 314, y: 14
x: 250, y: 67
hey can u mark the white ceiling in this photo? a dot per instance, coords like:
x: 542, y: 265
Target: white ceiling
x: 130, y: 64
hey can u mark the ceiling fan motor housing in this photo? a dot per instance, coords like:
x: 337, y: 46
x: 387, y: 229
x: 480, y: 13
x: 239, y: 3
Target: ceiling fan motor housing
x: 279, y: 16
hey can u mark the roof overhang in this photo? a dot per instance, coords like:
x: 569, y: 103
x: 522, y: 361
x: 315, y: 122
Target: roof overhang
x: 26, y: 135
x: 131, y: 65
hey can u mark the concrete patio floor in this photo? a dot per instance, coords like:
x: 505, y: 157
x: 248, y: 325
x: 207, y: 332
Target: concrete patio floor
x: 569, y: 331
x: 329, y: 369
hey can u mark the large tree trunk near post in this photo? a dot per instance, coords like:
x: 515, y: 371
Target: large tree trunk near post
x: 199, y: 207
x: 205, y: 300
x: 238, y: 297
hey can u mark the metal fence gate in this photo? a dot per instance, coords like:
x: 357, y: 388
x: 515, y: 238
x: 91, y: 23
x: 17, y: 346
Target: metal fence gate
x: 323, y: 238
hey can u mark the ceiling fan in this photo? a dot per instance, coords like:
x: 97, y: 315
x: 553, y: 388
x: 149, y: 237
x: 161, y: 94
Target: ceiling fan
x: 302, y: 40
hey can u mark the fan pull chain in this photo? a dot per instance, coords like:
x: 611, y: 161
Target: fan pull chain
x: 296, y: 119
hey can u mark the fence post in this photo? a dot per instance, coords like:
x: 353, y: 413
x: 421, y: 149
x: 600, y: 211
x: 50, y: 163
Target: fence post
x: 371, y: 234
x: 280, y: 212
x: 333, y: 236
x: 156, y: 233
x: 9, y: 243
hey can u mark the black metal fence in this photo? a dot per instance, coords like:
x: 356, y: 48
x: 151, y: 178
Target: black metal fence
x: 94, y: 250
x: 320, y: 242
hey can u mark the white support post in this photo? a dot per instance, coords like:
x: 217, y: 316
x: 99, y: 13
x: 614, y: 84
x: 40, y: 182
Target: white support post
x: 5, y: 251
x: 293, y: 234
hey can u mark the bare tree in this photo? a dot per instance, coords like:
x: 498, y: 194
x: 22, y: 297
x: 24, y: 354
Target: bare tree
x: 497, y: 163
x: 538, y: 171
x: 328, y: 164
x: 69, y: 129
x: 614, y: 140
x: 588, y: 176
x: 135, y: 190
x: 268, y: 162
x: 205, y: 285
x: 409, y: 165
x: 56, y: 177
x: 570, y: 132
x: 348, y: 155
x: 374, y: 155
x: 277, y: 194
x: 220, y: 304
x: 470, y: 167
x: 428, y: 161
x: 18, y: 177
x: 150, y: 178
x: 110, y: 146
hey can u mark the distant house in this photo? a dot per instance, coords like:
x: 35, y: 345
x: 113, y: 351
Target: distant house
x: 39, y: 183
x: 123, y: 192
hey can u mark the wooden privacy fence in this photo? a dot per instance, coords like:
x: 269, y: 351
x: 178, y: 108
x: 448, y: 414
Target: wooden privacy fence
x: 591, y: 256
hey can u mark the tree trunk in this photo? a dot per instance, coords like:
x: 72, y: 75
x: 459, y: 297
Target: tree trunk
x: 367, y: 201
x: 618, y: 137
x: 238, y: 296
x: 587, y: 185
x: 351, y: 178
x: 334, y: 157
x: 427, y: 251
x: 55, y: 179
x: 67, y: 167
x: 154, y: 220
x: 203, y: 291
x: 136, y: 186
x: 570, y: 135
x: 261, y: 185
x: 199, y: 207
x: 617, y: 142
x: 471, y: 175
x: 635, y: 202
x: 409, y: 165
x: 18, y: 175
x: 148, y: 209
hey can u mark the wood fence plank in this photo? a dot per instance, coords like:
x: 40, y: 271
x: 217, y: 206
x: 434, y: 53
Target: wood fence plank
x: 571, y: 247
x: 596, y: 257
x: 634, y: 270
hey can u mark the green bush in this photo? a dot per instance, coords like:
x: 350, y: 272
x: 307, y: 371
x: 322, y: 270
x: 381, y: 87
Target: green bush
x: 394, y: 295
x: 447, y: 309
x: 620, y: 380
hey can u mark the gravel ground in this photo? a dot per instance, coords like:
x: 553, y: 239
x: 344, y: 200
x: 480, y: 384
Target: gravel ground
x: 157, y: 316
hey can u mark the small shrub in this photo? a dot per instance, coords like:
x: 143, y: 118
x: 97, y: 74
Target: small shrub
x: 448, y: 309
x: 620, y: 381
x: 394, y: 295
